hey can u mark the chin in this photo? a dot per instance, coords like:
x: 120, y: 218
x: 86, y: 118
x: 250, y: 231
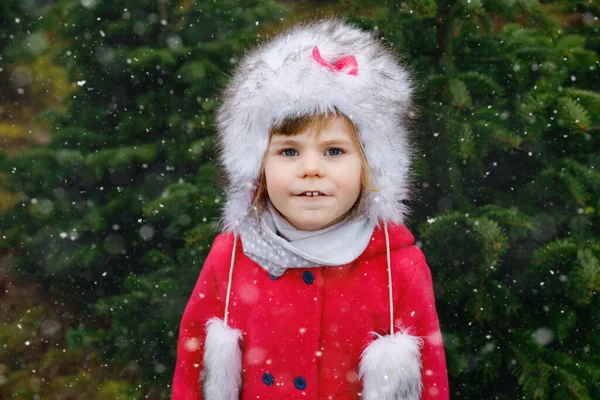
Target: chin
x: 306, y: 225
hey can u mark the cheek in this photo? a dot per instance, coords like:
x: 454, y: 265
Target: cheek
x: 275, y: 179
x: 349, y: 177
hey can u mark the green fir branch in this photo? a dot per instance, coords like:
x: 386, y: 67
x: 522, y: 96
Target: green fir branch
x: 573, y: 114
x: 446, y: 222
x: 589, y: 95
x: 535, y: 102
x: 571, y: 383
x: 575, y: 187
x: 589, y: 176
x: 508, y: 140
x: 459, y: 94
x: 507, y: 217
x: 494, y: 241
x: 529, y: 362
x: 424, y: 8
x: 462, y: 146
x: 560, y: 252
x: 433, y: 81
x: 482, y: 82
x: 585, y: 277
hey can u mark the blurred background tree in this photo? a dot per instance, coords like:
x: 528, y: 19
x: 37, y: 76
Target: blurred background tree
x: 117, y: 211
x: 108, y: 204
x: 509, y: 166
x: 29, y: 82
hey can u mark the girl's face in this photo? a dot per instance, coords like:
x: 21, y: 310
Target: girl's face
x: 329, y: 164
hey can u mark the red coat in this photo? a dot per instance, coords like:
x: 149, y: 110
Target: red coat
x: 304, y: 332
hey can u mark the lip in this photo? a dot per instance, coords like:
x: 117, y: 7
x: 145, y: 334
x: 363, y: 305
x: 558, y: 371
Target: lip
x: 311, y: 197
x: 300, y: 194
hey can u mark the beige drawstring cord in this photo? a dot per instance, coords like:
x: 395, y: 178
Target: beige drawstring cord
x: 230, y: 277
x: 389, y: 269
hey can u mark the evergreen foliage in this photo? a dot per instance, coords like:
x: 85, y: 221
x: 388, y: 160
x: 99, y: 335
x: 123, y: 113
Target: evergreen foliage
x: 118, y: 211
x: 508, y: 212
x: 19, y: 38
x: 128, y: 177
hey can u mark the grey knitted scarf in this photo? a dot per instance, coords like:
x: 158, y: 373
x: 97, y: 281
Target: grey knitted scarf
x: 276, y: 245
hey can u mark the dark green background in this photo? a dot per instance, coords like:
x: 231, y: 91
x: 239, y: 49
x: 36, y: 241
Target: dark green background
x: 109, y: 199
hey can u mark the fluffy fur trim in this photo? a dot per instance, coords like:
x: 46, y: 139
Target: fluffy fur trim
x: 281, y: 77
x: 390, y: 368
x: 222, y: 366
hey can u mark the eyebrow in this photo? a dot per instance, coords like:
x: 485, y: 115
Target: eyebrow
x: 326, y: 142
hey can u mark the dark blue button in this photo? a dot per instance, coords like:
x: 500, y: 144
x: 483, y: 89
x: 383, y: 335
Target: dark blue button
x: 308, y: 277
x: 268, y: 379
x: 300, y: 383
x: 273, y: 277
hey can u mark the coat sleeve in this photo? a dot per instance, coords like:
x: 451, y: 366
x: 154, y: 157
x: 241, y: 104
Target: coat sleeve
x: 416, y: 309
x: 204, y: 303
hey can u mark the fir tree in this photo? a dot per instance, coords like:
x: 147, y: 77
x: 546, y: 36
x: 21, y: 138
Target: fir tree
x: 508, y: 206
x: 128, y: 176
x: 120, y: 208
x: 18, y: 37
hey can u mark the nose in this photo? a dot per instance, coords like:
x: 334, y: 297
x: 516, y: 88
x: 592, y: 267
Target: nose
x: 311, y: 164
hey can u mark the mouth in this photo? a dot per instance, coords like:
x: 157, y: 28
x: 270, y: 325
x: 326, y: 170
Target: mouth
x: 312, y: 194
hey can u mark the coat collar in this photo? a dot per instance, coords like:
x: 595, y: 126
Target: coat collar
x: 399, y: 236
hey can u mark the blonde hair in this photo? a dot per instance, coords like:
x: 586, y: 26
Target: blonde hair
x: 292, y: 126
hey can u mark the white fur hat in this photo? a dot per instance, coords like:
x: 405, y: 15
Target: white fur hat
x: 308, y: 69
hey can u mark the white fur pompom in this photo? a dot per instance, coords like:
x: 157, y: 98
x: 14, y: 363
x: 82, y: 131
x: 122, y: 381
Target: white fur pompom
x: 222, y: 368
x: 390, y: 368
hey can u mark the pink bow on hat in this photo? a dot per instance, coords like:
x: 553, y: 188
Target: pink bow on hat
x: 340, y: 65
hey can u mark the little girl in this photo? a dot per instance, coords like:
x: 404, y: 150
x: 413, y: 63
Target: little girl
x: 314, y: 289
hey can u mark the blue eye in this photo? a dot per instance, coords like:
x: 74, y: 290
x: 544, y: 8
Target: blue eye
x: 340, y: 151
x: 283, y: 151
x: 286, y: 153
